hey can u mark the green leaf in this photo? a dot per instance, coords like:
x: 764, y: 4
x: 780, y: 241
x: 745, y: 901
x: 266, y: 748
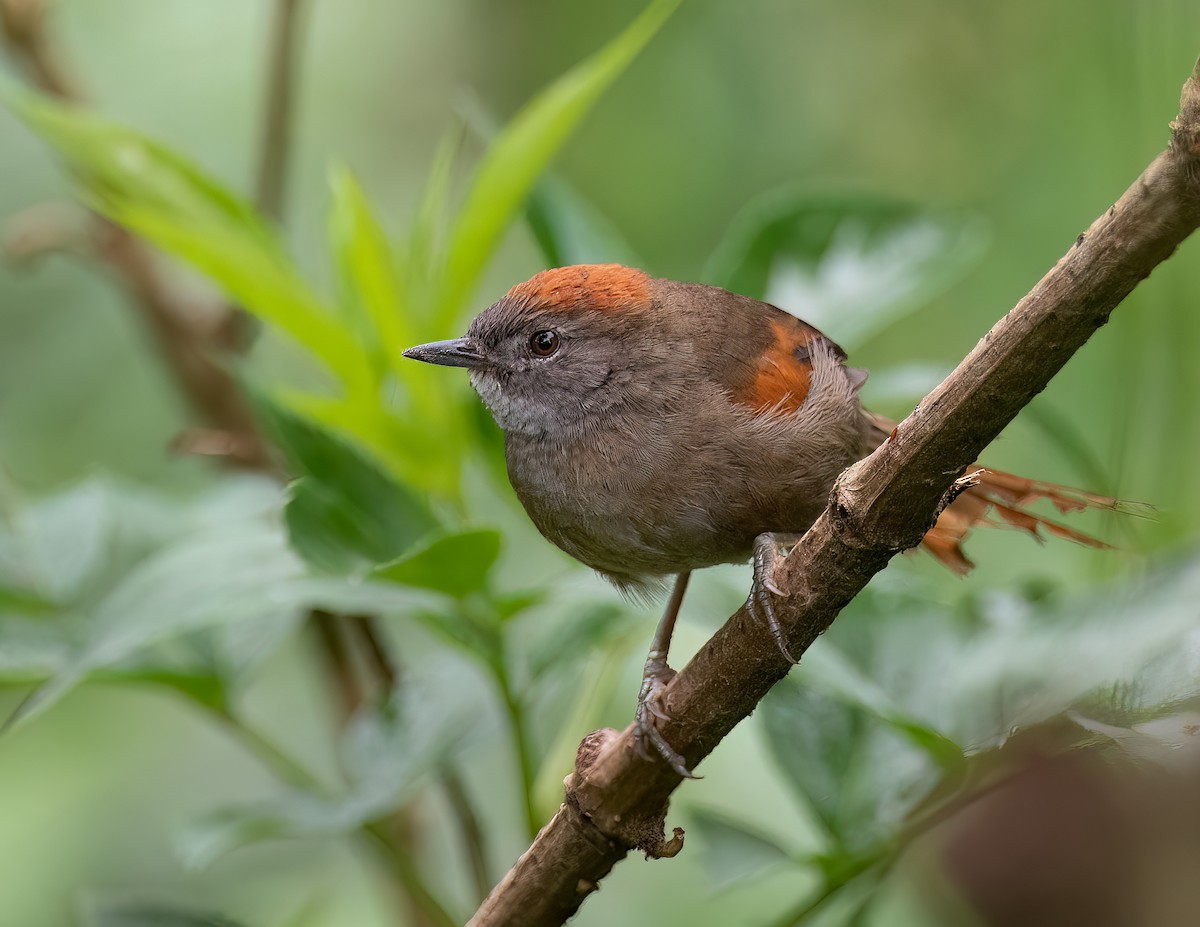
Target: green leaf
x: 25, y: 602
x: 423, y: 255
x: 514, y: 161
x: 858, y: 774
x: 345, y: 514
x: 851, y: 265
x: 388, y: 754
x: 570, y: 230
x: 1029, y: 663
x: 232, y: 573
x: 579, y: 631
x: 162, y: 197
x: 455, y: 564
x: 827, y: 669
x: 138, y: 915
x: 367, y: 267
x: 733, y: 851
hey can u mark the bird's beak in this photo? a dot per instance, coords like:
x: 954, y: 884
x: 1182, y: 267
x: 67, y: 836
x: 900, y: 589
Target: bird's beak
x: 458, y: 352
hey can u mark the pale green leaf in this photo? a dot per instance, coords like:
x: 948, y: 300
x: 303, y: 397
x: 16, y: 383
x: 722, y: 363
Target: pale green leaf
x: 373, y: 294
x: 387, y: 753
x: 173, y: 204
x: 521, y: 152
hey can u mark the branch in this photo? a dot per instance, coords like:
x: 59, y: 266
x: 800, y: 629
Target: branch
x: 277, y: 117
x: 189, y: 341
x: 880, y: 506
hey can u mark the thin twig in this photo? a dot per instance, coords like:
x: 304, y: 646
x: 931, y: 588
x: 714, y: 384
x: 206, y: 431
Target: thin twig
x: 274, y: 150
x: 188, y: 340
x: 882, y: 505
x: 383, y: 667
x: 470, y: 830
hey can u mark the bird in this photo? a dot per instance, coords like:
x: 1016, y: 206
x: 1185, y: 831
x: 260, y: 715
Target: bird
x: 654, y: 427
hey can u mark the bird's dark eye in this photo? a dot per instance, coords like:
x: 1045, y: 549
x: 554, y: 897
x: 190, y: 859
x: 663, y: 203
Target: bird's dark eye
x: 543, y: 344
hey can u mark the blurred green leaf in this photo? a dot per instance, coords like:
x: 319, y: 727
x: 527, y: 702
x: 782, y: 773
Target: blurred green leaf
x: 858, y: 774
x: 224, y: 562
x: 570, y: 230
x: 814, y: 739
x: 161, y: 196
x: 825, y: 668
x: 455, y: 564
x: 850, y: 265
x: 1122, y: 652
x: 138, y: 915
x: 465, y: 630
x: 344, y: 514
x: 425, y: 236
x: 580, y: 630
x: 367, y: 267
x: 211, y: 577
x: 514, y: 161
x: 25, y: 601
x: 387, y: 753
x: 510, y: 606
x: 731, y: 850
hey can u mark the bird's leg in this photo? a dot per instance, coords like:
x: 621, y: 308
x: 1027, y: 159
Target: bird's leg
x: 657, y: 674
x: 763, y: 590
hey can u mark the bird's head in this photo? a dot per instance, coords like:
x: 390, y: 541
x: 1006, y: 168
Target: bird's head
x: 561, y: 347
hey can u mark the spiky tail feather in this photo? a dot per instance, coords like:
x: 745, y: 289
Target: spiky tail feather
x: 999, y: 499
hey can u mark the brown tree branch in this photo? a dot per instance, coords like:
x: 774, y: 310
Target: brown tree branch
x: 616, y: 801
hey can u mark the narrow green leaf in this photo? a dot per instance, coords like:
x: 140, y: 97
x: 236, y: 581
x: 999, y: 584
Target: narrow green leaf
x: 522, y: 151
x: 389, y: 439
x: 570, y: 230
x: 368, y: 268
x: 164, y: 198
x: 455, y: 564
x: 424, y: 256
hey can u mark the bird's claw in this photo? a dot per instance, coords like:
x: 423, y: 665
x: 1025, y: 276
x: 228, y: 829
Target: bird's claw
x: 652, y: 709
x: 760, y: 604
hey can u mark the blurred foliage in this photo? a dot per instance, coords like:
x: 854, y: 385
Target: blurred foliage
x: 195, y: 582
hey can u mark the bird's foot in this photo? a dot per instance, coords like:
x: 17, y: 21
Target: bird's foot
x: 652, y: 709
x: 763, y: 591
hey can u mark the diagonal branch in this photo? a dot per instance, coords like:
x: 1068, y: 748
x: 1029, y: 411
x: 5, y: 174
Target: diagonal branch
x: 880, y: 506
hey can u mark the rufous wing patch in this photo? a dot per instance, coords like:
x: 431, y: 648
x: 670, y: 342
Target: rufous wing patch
x: 784, y: 374
x: 587, y: 286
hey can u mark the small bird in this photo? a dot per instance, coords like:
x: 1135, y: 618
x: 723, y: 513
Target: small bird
x: 653, y: 427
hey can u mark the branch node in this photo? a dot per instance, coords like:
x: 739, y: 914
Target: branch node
x: 640, y: 829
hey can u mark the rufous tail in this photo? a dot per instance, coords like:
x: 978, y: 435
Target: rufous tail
x: 1000, y: 499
